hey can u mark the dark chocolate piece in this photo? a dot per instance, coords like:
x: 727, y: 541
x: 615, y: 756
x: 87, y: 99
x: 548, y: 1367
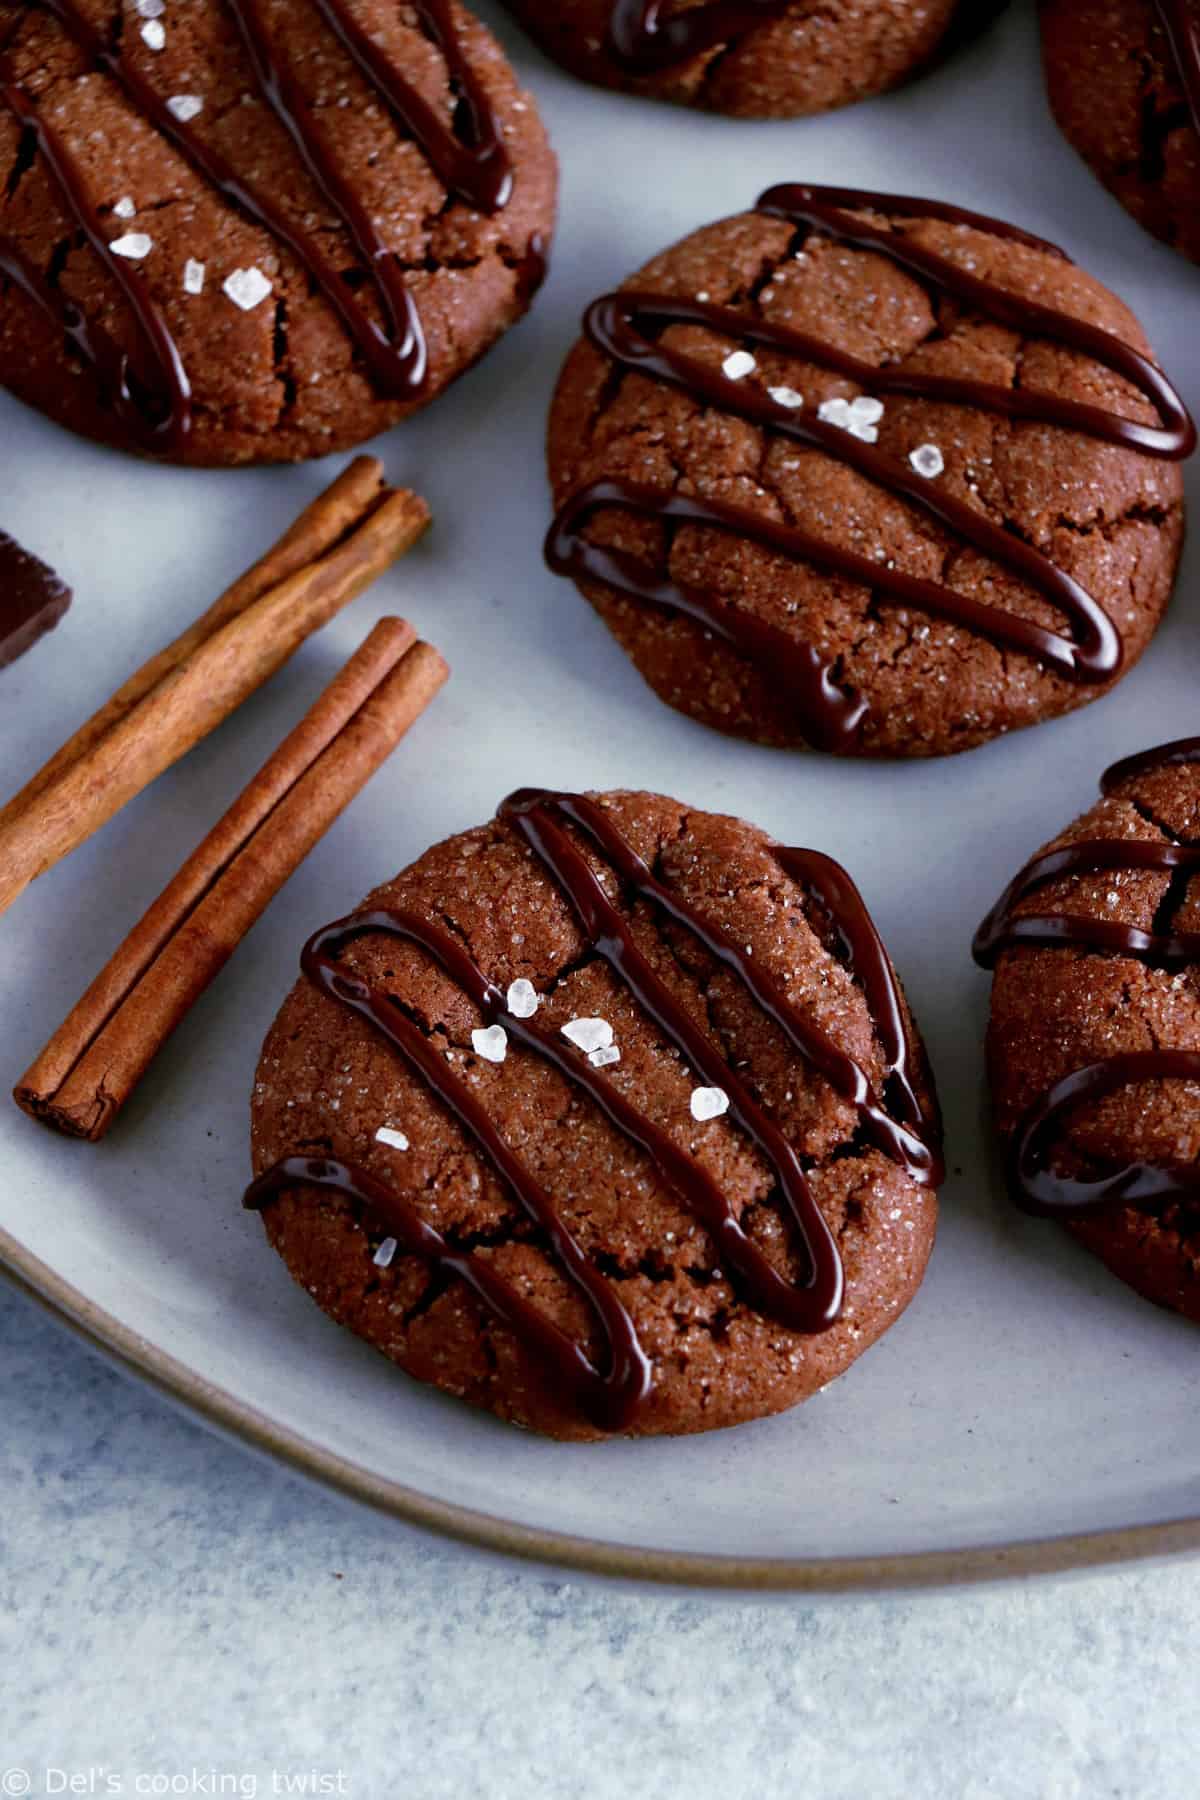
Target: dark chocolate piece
x: 32, y: 600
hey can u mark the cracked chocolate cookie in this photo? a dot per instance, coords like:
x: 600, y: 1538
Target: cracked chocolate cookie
x: 1123, y: 78
x: 1094, y: 1039
x: 754, y: 59
x: 608, y: 1116
x: 258, y: 230
x: 868, y: 473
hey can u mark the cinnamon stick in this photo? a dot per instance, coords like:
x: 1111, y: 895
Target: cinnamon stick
x: 331, y: 554
x: 317, y: 529
x: 98, y: 1055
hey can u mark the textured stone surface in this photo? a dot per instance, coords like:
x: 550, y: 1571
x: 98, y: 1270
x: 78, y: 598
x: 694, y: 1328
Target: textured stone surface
x: 168, y: 1603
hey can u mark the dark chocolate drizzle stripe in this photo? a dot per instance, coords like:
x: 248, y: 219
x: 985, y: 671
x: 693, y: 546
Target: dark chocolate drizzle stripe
x: 610, y: 1397
x: 534, y: 812
x: 1183, y: 35
x: 823, y: 209
x: 155, y: 405
x: 470, y: 158
x: 1174, y: 755
x: 613, y: 1396
x: 1004, y: 927
x: 396, y: 356
x: 1035, y: 1187
x: 620, y: 325
x: 1039, y: 1190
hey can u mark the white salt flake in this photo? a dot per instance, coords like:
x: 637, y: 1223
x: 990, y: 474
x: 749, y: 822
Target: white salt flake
x: 491, y: 1044
x: 865, y: 410
x: 739, y: 364
x: 247, y: 288
x: 151, y: 9
x: 193, y: 276
x: 125, y: 208
x: 154, y: 35
x: 927, y: 460
x: 589, y: 1034
x: 709, y: 1103
x: 387, y: 1134
x: 607, y: 1053
x: 835, y: 412
x: 786, y: 396
x: 134, y: 245
x: 184, y: 107
x: 858, y: 417
x: 385, y: 1253
x: 521, y: 999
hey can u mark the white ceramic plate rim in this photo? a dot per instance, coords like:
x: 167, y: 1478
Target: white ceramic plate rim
x: 225, y: 1413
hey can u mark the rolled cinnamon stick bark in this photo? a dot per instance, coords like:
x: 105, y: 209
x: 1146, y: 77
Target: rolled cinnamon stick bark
x: 132, y: 740
x: 322, y: 524
x: 96, y: 1058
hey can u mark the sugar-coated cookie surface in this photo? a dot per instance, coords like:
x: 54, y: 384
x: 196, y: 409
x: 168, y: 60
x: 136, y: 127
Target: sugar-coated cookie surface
x: 630, y: 1131
x: 1094, y: 1037
x: 245, y: 230
x: 956, y: 508
x: 1123, y: 78
x: 761, y: 59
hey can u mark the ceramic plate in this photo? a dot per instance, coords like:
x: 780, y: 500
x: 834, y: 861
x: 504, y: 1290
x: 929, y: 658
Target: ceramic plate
x: 1028, y: 1411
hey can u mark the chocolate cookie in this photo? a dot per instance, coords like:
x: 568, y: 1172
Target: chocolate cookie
x: 258, y: 230
x: 868, y: 473
x: 606, y: 1116
x: 1123, y: 77
x: 1094, y: 1040
x: 756, y: 59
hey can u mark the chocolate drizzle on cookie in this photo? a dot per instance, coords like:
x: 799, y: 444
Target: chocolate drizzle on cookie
x: 468, y: 156
x: 1035, y: 1185
x: 1183, y: 35
x: 626, y: 327
x: 901, y: 1128
x: 154, y: 404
